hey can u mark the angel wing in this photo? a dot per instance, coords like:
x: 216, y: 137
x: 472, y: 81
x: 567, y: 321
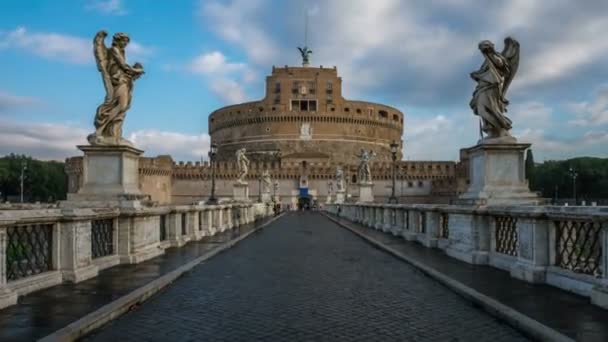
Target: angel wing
x: 511, y: 54
x: 101, y: 57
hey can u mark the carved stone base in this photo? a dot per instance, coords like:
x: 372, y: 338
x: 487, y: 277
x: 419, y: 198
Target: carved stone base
x: 340, y: 196
x: 266, y: 197
x: 96, y: 140
x: 366, y: 194
x: 110, y: 173
x: 240, y: 192
x: 497, y: 175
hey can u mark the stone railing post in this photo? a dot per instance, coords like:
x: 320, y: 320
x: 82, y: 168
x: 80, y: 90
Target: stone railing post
x: 532, y: 249
x: 76, y: 260
x: 138, y: 235
x: 7, y: 297
x: 378, y: 216
x: 387, y: 218
x: 432, y: 229
x: 397, y: 225
x: 411, y: 233
x: 469, y: 238
x: 599, y: 293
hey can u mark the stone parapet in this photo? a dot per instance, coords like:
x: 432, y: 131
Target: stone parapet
x: 40, y: 248
x: 564, y: 247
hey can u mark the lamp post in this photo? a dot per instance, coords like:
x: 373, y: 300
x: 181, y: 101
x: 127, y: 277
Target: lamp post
x: 394, y: 147
x: 260, y: 189
x: 22, y: 177
x: 573, y: 174
x: 212, y: 153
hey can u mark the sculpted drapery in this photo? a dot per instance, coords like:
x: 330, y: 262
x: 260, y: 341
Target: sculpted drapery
x: 118, y: 78
x: 243, y: 164
x: 493, y: 79
x: 365, y: 173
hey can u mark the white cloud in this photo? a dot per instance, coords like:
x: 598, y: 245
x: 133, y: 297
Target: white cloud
x: 228, y: 90
x: 62, y: 47
x: 41, y: 140
x: 179, y: 145
x: 225, y: 79
x: 110, y: 7
x: 10, y: 101
x: 594, y: 112
x: 214, y: 63
x: 49, y: 45
x: 58, y: 141
x: 530, y: 114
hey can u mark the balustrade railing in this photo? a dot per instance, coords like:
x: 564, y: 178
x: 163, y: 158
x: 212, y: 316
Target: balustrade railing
x: 578, y: 246
x: 506, y: 235
x: 102, y: 238
x: 162, y: 227
x: 73, y: 244
x: 444, y: 231
x: 28, y: 250
x: 560, y: 246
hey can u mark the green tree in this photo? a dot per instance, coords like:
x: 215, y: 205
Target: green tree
x: 44, y: 181
x: 529, y: 164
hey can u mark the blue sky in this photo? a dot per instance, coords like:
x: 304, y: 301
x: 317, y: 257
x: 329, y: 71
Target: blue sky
x: 201, y: 55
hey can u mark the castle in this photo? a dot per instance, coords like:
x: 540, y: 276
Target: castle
x: 301, y: 132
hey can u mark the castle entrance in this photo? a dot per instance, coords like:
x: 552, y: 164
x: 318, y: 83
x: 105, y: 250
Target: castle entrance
x: 304, y: 203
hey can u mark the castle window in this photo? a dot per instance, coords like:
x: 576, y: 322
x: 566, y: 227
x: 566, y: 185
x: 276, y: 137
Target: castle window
x: 420, y: 184
x: 277, y: 87
x: 330, y: 98
x: 358, y: 110
x: 383, y: 113
x: 347, y: 109
x: 354, y: 179
x: 395, y: 117
x: 295, y: 105
x: 312, y: 105
x: 329, y: 85
x: 311, y: 88
x: 274, y: 108
x: 333, y: 109
x: 304, y: 105
x: 261, y: 109
x: 277, y: 100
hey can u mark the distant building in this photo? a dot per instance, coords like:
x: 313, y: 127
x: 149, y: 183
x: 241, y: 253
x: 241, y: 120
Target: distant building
x: 301, y: 131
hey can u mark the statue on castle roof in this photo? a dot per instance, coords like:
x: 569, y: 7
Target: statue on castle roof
x: 118, y: 78
x: 365, y: 173
x: 493, y: 79
x: 243, y: 165
x: 305, y: 52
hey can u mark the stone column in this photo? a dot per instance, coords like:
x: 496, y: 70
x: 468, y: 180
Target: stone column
x: 599, y: 293
x: 378, y: 217
x: 411, y: 233
x: 138, y: 236
x: 398, y: 226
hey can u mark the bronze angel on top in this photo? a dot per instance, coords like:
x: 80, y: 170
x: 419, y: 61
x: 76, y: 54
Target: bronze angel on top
x: 118, y: 78
x: 493, y: 79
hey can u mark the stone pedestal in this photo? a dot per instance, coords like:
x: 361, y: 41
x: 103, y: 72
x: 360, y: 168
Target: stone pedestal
x: 366, y: 194
x: 266, y: 197
x: 497, y: 176
x: 328, y: 199
x: 109, y: 173
x: 340, y: 196
x: 240, y: 192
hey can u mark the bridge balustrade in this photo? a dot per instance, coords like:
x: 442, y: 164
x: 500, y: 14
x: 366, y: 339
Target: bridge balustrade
x: 564, y: 247
x: 44, y: 247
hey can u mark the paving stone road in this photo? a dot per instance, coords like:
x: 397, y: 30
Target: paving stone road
x: 303, y: 278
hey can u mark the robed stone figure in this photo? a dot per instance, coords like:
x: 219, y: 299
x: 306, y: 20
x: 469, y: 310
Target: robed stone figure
x: 493, y: 79
x: 118, y: 78
x: 242, y: 163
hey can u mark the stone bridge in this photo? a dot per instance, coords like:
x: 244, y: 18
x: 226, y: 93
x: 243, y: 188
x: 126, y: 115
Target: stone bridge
x: 354, y: 272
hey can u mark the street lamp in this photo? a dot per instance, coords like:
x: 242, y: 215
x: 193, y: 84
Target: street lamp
x: 22, y: 177
x: 573, y: 174
x: 212, y: 153
x: 260, y: 189
x: 394, y: 147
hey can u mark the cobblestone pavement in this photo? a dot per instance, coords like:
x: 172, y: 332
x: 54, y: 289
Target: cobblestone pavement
x: 305, y: 279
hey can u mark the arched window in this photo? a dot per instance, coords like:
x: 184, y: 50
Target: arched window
x: 354, y: 179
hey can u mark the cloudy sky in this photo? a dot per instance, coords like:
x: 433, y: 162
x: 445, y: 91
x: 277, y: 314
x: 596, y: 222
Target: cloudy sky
x: 201, y: 55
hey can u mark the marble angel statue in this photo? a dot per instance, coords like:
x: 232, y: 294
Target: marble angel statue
x: 118, y: 78
x: 243, y: 165
x: 365, y: 173
x: 493, y: 79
